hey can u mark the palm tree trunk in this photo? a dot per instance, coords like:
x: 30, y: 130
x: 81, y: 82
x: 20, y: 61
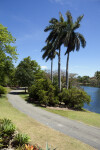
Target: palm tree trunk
x: 59, y: 70
x: 67, y: 64
x: 52, y: 70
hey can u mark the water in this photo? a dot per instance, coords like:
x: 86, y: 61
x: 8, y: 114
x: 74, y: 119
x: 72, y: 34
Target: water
x: 95, y: 97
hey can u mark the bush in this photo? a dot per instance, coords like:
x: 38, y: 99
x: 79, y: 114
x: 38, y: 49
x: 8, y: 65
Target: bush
x: 32, y: 147
x: 7, y: 127
x: 6, y: 132
x: 43, y: 91
x: 2, y: 90
x: 21, y: 139
x: 74, y: 98
x: 43, y: 98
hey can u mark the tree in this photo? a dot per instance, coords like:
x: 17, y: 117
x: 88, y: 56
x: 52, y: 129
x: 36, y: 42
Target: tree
x: 72, y: 40
x: 55, y: 39
x: 7, y: 54
x: 5, y: 40
x: 49, y: 54
x: 97, y: 75
x: 27, y: 71
x: 6, y: 69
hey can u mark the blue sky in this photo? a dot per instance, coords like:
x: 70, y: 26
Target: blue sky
x: 27, y: 19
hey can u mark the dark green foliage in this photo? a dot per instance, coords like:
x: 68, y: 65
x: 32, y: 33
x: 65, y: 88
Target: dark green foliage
x: 74, y: 98
x: 43, y: 91
x: 97, y: 75
x: 27, y: 71
x: 21, y: 139
x: 2, y: 90
x: 43, y: 98
x: 7, y: 130
x: 6, y: 69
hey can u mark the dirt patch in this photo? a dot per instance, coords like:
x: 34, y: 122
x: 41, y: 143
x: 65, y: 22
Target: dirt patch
x: 60, y: 108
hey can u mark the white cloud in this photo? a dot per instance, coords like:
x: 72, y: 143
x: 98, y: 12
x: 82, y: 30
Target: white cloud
x: 43, y: 67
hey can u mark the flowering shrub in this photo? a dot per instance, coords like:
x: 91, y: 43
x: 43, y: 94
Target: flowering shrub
x: 32, y: 147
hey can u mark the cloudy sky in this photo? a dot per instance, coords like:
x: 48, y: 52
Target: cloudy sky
x: 27, y: 19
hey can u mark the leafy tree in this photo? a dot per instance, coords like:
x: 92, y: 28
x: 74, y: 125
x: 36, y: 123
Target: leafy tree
x: 6, y: 69
x: 97, y: 75
x: 5, y: 40
x: 7, y: 54
x: 26, y: 72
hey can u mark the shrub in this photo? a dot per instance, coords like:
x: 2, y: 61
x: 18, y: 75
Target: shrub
x: 6, y: 127
x: 32, y: 147
x: 74, y: 98
x: 43, y: 98
x: 43, y: 91
x: 2, y: 90
x: 21, y: 139
x: 6, y: 132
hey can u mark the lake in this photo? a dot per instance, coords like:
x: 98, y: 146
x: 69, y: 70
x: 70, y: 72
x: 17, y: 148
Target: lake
x: 95, y: 97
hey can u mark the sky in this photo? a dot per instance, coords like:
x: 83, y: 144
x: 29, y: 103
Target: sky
x: 27, y: 19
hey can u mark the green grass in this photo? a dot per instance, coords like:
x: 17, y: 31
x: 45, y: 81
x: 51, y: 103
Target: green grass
x: 39, y: 134
x: 24, y: 95
x: 86, y: 117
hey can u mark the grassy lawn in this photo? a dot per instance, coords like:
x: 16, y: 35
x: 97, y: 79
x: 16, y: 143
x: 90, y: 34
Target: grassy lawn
x: 85, y: 116
x: 39, y: 133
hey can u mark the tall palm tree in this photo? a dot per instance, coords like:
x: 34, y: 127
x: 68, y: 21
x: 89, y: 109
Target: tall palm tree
x: 56, y: 41
x: 48, y: 54
x: 72, y: 39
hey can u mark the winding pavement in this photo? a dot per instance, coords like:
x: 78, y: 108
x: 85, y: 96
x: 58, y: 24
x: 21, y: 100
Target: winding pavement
x: 87, y: 134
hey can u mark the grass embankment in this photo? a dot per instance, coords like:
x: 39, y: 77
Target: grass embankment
x: 84, y: 116
x: 39, y: 133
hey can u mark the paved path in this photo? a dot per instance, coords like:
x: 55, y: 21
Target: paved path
x: 87, y: 134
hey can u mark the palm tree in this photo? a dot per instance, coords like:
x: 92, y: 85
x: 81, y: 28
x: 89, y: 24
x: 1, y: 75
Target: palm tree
x: 48, y: 54
x: 71, y: 39
x: 56, y: 41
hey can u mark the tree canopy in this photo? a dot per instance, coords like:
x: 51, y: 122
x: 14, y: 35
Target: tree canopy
x: 6, y: 68
x: 6, y: 39
x: 27, y: 71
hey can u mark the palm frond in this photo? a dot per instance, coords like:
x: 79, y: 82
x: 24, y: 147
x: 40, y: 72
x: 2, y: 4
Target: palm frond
x: 69, y: 18
x: 61, y: 19
x: 48, y: 28
x: 53, y: 21
x: 82, y: 39
x: 76, y: 24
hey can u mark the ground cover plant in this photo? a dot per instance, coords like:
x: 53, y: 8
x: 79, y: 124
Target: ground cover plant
x: 9, y: 136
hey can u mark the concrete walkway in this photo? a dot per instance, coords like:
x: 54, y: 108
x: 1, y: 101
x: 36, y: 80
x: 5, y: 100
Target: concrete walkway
x: 87, y: 134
